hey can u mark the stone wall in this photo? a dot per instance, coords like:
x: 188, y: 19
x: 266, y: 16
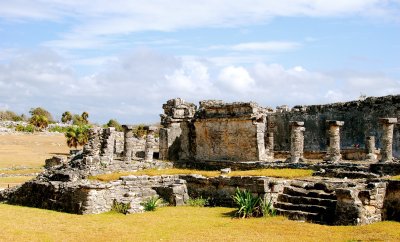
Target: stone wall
x: 361, y: 119
x: 92, y: 197
x: 360, y: 205
x: 391, y: 205
x: 219, y: 190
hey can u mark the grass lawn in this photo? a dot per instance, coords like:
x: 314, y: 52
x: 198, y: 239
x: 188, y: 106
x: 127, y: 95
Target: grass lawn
x: 13, y: 180
x: 30, y: 150
x: 286, y: 173
x: 176, y: 224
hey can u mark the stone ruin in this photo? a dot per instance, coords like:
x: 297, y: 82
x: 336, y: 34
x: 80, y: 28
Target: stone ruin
x: 350, y: 184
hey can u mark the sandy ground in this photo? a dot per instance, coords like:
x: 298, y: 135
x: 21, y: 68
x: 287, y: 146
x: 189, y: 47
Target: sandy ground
x: 30, y: 150
x: 22, y: 151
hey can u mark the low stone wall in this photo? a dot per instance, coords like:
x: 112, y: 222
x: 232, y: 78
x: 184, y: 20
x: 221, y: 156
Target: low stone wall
x: 92, y: 197
x: 360, y: 205
x: 391, y: 206
x: 219, y: 190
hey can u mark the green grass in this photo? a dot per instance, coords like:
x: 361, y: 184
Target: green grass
x: 284, y: 173
x: 176, y: 224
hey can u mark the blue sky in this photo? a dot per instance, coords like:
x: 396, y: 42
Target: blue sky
x: 124, y: 59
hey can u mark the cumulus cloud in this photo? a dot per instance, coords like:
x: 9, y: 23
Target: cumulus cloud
x: 132, y: 87
x: 236, y: 79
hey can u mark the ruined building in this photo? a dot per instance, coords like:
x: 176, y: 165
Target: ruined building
x: 219, y: 131
x: 354, y: 147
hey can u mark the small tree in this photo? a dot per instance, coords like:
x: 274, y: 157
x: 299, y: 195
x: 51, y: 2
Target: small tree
x: 66, y: 117
x: 77, y: 135
x: 41, y: 112
x: 85, y: 116
x: 39, y: 121
x: 114, y: 123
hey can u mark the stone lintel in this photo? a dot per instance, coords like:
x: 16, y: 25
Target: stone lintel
x: 334, y: 123
x: 128, y: 126
x: 296, y: 123
x: 388, y: 120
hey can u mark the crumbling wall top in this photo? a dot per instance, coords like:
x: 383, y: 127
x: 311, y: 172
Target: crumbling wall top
x: 176, y: 110
x: 219, y: 109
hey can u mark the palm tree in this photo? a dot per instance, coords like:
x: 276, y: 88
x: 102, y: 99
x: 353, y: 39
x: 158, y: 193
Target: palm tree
x: 39, y: 121
x: 77, y: 135
x: 66, y: 117
x: 85, y: 116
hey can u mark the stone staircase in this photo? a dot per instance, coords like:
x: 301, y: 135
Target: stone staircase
x: 307, y: 201
x: 344, y: 170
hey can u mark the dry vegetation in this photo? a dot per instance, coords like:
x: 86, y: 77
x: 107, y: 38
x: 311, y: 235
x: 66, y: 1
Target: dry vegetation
x: 176, y: 224
x: 166, y: 224
x: 286, y: 173
x: 13, y: 180
x: 30, y: 150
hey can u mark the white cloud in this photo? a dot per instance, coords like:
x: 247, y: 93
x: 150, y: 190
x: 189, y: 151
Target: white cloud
x: 133, y: 87
x: 260, y: 46
x: 93, y: 22
x: 236, y: 79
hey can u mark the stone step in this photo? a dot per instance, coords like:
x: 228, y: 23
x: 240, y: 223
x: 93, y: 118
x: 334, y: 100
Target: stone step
x: 304, y: 208
x: 302, y: 192
x: 346, y: 174
x: 300, y: 215
x: 307, y: 200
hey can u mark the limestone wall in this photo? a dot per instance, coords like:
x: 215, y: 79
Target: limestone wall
x: 361, y: 119
x: 224, y: 139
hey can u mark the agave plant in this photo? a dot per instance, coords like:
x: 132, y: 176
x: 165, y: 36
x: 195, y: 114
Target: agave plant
x: 151, y: 204
x: 266, y: 208
x: 246, y: 202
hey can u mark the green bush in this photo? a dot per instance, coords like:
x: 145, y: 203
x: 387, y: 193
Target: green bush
x: 59, y: 129
x: 151, y: 204
x: 77, y: 135
x: 114, y: 123
x: 28, y: 128
x: 120, y: 207
x: 266, y: 208
x: 247, y: 203
x: 197, y: 202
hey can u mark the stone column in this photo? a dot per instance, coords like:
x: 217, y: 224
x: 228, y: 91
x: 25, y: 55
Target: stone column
x: 149, y: 149
x: 128, y: 142
x: 333, y: 153
x: 370, y: 148
x: 387, y: 139
x: 270, y: 145
x: 296, y: 141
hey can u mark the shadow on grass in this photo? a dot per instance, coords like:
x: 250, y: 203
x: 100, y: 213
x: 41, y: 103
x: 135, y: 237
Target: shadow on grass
x: 59, y: 153
x: 231, y: 214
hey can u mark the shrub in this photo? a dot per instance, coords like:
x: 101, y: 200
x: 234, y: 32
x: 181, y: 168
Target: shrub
x: 39, y: 121
x: 197, y: 202
x: 114, y: 123
x: 120, y: 207
x: 77, y: 135
x: 151, y: 204
x: 10, y: 116
x: 59, y: 129
x: 266, y: 208
x: 39, y: 111
x: 28, y: 128
x: 247, y: 203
